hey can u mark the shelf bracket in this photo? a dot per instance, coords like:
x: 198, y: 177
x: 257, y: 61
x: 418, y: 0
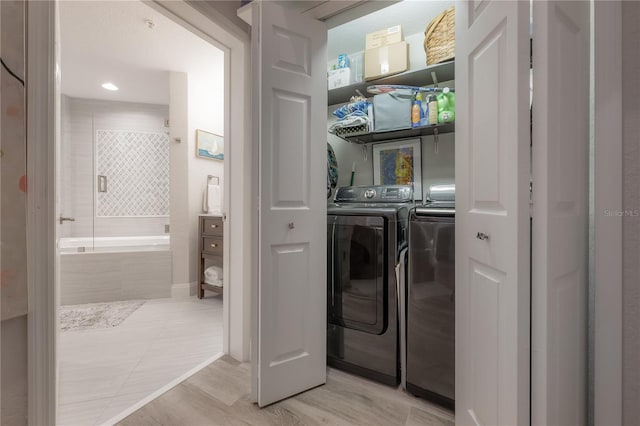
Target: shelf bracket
x: 435, y: 140
x: 434, y: 77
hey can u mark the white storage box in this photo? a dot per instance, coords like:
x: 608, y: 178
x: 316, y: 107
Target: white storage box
x: 339, y: 78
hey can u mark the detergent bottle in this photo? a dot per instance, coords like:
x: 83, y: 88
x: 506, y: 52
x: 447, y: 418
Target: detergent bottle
x: 416, y: 110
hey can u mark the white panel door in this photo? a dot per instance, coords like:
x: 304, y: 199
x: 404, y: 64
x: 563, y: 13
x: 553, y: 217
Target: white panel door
x: 289, y: 88
x: 560, y: 209
x: 492, y: 213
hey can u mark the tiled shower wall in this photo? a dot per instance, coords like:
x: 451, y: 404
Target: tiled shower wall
x: 135, y: 168
x: 81, y: 118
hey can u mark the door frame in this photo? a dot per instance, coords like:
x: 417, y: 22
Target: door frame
x: 606, y: 249
x: 42, y: 136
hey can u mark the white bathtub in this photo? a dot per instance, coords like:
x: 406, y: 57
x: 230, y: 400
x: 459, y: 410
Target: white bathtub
x: 113, y: 244
x: 108, y: 269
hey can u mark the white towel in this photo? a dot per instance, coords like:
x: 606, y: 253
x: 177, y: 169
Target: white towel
x: 217, y: 283
x: 214, y: 199
x: 213, y: 275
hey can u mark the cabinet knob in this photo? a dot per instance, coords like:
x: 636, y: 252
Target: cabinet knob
x: 214, y: 226
x: 291, y: 225
x: 214, y: 245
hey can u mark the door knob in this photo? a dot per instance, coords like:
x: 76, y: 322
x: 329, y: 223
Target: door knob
x: 482, y: 236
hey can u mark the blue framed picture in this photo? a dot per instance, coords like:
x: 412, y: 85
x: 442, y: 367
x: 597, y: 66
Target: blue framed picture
x: 209, y: 145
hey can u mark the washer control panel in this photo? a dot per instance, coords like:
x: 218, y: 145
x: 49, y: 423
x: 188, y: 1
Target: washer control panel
x: 375, y: 194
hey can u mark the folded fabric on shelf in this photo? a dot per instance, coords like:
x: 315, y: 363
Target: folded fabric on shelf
x: 350, y: 108
x: 213, y: 274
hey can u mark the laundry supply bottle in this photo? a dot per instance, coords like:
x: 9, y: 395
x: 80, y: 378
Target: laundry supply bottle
x: 424, y: 113
x: 433, y: 110
x: 445, y: 108
x: 416, y: 110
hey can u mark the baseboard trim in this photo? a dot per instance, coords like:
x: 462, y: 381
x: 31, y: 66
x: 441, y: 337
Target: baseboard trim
x: 138, y: 405
x: 183, y: 290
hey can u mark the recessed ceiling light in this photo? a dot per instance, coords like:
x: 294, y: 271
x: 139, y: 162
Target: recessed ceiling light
x: 109, y: 86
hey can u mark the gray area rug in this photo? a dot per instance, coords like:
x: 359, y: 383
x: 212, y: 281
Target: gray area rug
x: 96, y: 315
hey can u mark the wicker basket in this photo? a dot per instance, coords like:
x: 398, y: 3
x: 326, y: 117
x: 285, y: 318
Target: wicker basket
x: 440, y: 37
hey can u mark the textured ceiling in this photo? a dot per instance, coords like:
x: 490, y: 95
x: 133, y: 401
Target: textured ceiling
x: 109, y: 41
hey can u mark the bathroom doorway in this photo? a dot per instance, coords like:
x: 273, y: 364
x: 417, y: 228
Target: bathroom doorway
x: 131, y: 191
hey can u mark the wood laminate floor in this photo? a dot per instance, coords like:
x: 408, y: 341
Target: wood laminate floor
x: 219, y: 395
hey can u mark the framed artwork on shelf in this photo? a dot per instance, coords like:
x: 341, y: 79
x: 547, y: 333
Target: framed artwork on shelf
x: 399, y: 163
x: 209, y: 145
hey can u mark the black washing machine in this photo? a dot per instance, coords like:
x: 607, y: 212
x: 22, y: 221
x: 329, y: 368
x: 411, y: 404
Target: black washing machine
x: 366, y: 232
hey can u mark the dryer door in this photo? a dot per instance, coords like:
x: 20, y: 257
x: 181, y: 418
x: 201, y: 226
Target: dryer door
x: 356, y: 289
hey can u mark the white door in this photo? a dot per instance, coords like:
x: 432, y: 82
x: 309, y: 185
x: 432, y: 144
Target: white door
x: 492, y: 213
x: 560, y: 209
x: 290, y: 107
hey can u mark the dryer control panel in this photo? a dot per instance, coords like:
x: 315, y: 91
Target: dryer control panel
x: 375, y: 194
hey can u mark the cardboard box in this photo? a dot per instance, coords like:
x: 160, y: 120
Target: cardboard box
x: 339, y: 78
x: 383, y: 37
x: 385, y: 60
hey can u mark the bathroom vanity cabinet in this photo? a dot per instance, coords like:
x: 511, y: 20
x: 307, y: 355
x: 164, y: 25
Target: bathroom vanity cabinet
x: 211, y: 244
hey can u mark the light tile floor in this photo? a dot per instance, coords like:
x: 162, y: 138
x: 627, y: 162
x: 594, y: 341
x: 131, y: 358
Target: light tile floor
x: 102, y: 372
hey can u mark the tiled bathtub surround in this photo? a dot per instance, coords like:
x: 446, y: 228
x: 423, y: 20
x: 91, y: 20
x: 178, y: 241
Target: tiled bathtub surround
x: 108, y: 277
x: 136, y: 168
x: 114, y: 244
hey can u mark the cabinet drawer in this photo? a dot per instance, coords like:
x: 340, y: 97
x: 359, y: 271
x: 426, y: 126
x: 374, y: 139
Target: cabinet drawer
x: 212, y: 245
x: 212, y: 226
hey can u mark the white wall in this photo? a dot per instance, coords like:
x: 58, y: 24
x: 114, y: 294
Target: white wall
x: 224, y: 13
x: 13, y: 373
x: 108, y: 277
x: 206, y: 112
x: 179, y: 160
x: 631, y: 223
x: 80, y: 119
x: 196, y: 102
x: 13, y: 251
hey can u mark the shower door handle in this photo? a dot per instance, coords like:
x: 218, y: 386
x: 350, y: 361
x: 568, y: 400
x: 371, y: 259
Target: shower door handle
x: 63, y: 219
x: 102, y: 183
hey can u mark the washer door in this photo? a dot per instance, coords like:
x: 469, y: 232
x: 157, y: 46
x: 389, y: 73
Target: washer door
x: 357, y: 293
